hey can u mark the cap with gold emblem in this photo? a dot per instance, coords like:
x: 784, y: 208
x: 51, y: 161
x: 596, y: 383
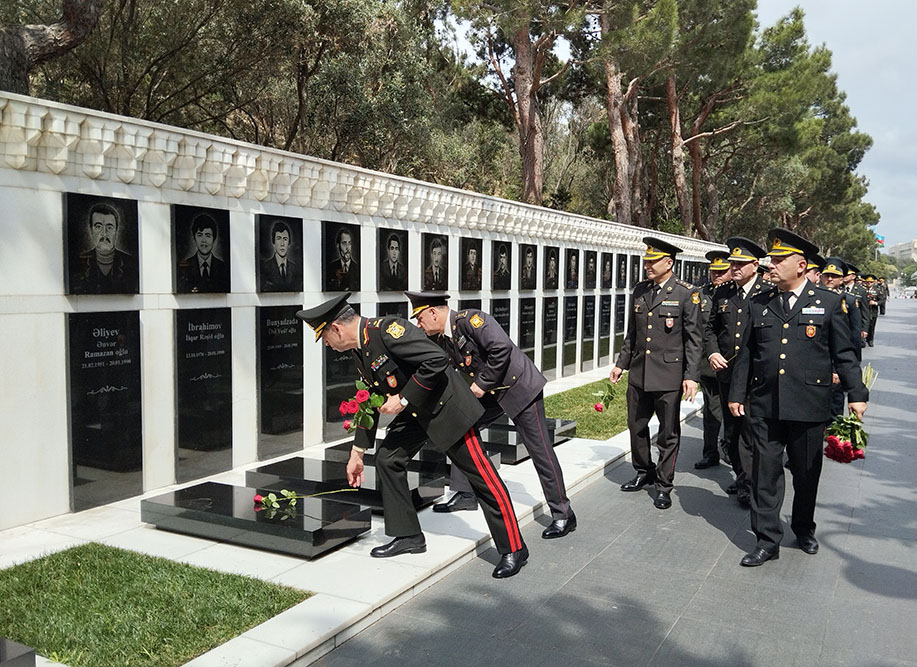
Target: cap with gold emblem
x: 742, y: 249
x: 834, y: 266
x: 851, y: 269
x: 816, y: 261
x: 318, y: 317
x: 657, y: 249
x: 718, y: 260
x: 869, y: 278
x: 420, y: 301
x: 783, y: 242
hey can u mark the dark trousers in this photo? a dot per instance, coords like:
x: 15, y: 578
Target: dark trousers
x: 874, y: 315
x: 641, y: 406
x: 713, y: 416
x: 403, y: 440
x: 532, y: 427
x: 738, y: 441
x: 803, y: 442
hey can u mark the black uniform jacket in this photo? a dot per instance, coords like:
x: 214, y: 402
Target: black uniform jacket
x: 664, y: 340
x: 728, y: 320
x: 783, y: 370
x: 480, y: 348
x: 395, y: 357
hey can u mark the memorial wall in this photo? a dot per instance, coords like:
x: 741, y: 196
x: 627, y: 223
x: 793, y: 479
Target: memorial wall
x: 150, y: 277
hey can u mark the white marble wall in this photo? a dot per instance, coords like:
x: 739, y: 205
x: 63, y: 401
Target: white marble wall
x: 47, y: 149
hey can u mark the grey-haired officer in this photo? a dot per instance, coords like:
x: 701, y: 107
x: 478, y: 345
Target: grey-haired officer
x: 431, y: 404
x: 506, y: 382
x: 662, y: 352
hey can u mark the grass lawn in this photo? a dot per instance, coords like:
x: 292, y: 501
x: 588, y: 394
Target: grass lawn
x: 578, y: 404
x: 95, y: 605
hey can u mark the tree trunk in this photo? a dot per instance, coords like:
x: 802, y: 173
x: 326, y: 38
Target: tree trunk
x: 712, y: 222
x: 22, y: 47
x: 678, y: 155
x: 531, y: 135
x: 615, y: 108
x: 697, y: 168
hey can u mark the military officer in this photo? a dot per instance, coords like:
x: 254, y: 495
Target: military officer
x: 832, y: 277
x: 872, y: 305
x: 506, y: 382
x: 662, y: 351
x: 882, y: 291
x: 798, y: 334
x: 431, y: 403
x: 722, y: 341
x: 853, y: 287
x: 814, y: 265
x: 718, y: 272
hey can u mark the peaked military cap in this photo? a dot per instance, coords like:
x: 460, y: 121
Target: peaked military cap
x: 420, y: 301
x: 852, y: 269
x: 764, y: 269
x: 835, y: 266
x: 869, y: 278
x: 657, y: 249
x: 816, y: 261
x: 783, y: 242
x: 718, y: 260
x: 742, y: 249
x: 319, y: 316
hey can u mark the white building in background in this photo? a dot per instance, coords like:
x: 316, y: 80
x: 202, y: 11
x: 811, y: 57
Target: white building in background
x: 905, y: 251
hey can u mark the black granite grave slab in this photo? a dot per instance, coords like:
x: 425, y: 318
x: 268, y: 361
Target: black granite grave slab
x: 500, y: 308
x: 527, y: 327
x: 428, y: 456
x: 280, y: 377
x: 228, y: 514
x: 426, y: 480
x: 15, y: 655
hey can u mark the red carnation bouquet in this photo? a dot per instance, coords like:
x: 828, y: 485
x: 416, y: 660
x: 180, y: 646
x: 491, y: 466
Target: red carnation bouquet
x: 360, y: 408
x: 846, y: 439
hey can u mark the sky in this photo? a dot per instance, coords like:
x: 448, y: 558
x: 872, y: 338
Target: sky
x: 874, y: 59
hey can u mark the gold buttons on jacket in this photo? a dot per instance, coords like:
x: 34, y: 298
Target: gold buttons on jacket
x: 649, y: 314
x: 781, y: 371
x: 738, y: 324
x: 647, y: 351
x: 413, y: 414
x: 783, y: 356
x: 649, y: 326
x: 786, y: 325
x: 738, y: 335
x: 648, y: 339
x: 783, y: 341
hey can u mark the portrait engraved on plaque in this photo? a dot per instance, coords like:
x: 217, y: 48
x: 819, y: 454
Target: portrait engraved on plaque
x: 471, y: 264
x: 528, y: 267
x: 279, y: 253
x: 201, y: 247
x: 341, y: 257
x: 435, y: 263
x: 100, y: 245
x: 393, y: 257
x: 502, y: 261
x: 551, y: 267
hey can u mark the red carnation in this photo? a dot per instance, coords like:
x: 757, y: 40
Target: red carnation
x: 599, y: 407
x: 362, y: 396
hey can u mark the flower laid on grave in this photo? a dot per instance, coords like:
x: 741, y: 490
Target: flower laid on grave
x: 360, y: 408
x: 284, y: 504
x: 846, y: 439
x: 606, y: 395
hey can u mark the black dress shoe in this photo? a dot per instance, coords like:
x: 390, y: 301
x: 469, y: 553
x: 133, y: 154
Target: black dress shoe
x: 732, y: 489
x: 706, y: 463
x: 560, y: 527
x: 414, y: 544
x: 511, y: 563
x: 808, y: 543
x: 744, y: 497
x: 638, y: 482
x: 663, y: 500
x: 759, y: 557
x: 463, y: 500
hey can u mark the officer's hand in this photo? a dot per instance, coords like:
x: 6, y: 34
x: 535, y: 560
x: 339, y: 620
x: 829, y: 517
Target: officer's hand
x: 835, y: 378
x: 392, y: 406
x: 718, y: 361
x: 864, y: 335
x: 858, y: 408
x: 688, y: 390
x: 476, y: 390
x: 615, y: 375
x: 737, y: 409
x: 355, y: 469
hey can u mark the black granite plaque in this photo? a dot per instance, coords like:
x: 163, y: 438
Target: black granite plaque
x: 100, y: 245
x: 604, y: 329
x: 15, y: 655
x: 527, y: 327
x: 470, y: 303
x: 393, y: 260
x: 471, y: 264
x: 608, y: 260
x: 571, y: 331
x: 426, y: 479
x: 591, y: 270
x: 549, y: 338
x: 677, y: 268
x: 501, y: 276
x: 105, y: 410
x: 528, y: 266
x: 399, y: 308
x: 588, y: 353
x: 620, y: 306
x: 280, y: 376
x: 572, y: 269
x: 279, y: 253
x: 551, y: 267
x: 204, y: 392
x: 228, y: 514
x: 340, y: 373
x: 200, y: 247
x: 435, y: 263
x: 636, y: 269
x: 499, y: 308
x: 340, y: 257
x: 621, y: 273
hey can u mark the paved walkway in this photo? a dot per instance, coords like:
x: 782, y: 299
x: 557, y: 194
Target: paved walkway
x: 636, y: 586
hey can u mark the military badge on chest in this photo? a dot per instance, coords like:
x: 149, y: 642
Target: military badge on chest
x: 381, y: 359
x: 669, y: 322
x: 392, y: 381
x: 810, y: 331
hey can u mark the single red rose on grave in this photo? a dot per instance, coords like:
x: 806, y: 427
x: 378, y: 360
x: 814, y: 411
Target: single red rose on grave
x: 599, y: 407
x: 362, y: 396
x: 258, y: 498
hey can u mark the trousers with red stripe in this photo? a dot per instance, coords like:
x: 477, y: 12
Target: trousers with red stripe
x: 403, y: 440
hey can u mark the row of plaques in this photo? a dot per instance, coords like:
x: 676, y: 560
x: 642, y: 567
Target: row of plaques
x: 102, y: 250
